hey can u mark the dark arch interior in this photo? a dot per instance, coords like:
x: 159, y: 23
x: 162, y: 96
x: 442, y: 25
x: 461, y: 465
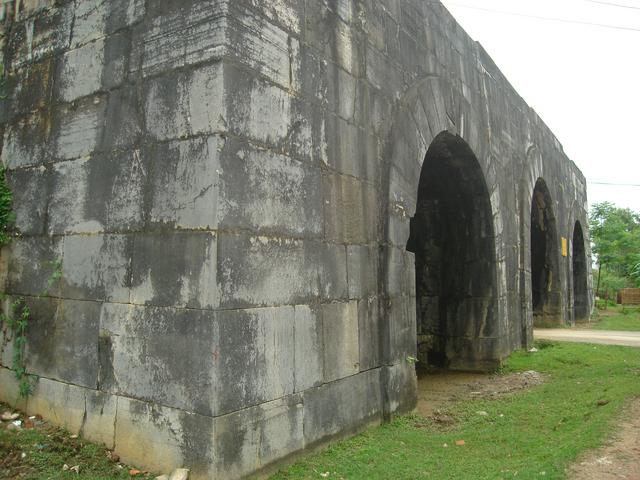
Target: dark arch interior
x: 452, y: 238
x: 545, y: 294
x: 579, y: 263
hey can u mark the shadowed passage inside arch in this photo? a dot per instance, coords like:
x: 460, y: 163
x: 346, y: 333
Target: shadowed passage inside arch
x: 545, y: 288
x: 452, y: 239
x: 580, y: 288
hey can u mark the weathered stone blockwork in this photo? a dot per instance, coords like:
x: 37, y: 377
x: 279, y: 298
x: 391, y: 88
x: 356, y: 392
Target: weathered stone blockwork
x: 227, y: 186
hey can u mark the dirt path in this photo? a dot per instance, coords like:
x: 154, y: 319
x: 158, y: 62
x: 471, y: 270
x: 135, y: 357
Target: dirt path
x: 438, y: 390
x: 629, y: 339
x: 619, y: 458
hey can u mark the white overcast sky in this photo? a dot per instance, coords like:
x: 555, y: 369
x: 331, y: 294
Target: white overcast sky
x: 584, y: 81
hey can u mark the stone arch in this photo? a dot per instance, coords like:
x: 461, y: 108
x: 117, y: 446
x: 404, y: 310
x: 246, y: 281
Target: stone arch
x: 431, y: 107
x: 533, y: 170
x: 451, y: 235
x: 545, y: 292
x: 579, y: 275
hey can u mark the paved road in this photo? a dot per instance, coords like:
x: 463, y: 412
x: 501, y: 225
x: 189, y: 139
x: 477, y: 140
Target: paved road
x: 607, y: 337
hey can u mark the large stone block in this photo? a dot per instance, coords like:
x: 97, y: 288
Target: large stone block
x: 362, y: 271
x: 10, y: 391
x: 230, y: 360
x: 253, y: 41
x: 41, y: 36
x: 340, y: 340
x: 400, y: 272
x: 95, y: 18
x: 30, y: 192
x: 186, y: 276
x: 183, y: 36
x: 78, y: 127
x: 351, y: 214
x: 62, y: 340
x: 399, y: 227
x: 61, y: 404
x: 82, y: 411
x: 350, y: 149
x: 268, y: 193
x: 382, y: 73
x: 6, y: 334
x: 27, y: 141
x: 161, y: 439
x: 29, y: 87
x: 401, y: 315
x: 285, y: 13
x: 342, y: 93
x: 184, y: 183
x: 254, y: 357
x: 402, y: 386
x: 332, y: 272
x: 28, y: 9
x: 483, y: 312
x: 99, y: 193
x: 309, y: 347
x: 96, y: 267
x: 338, y: 40
x: 123, y: 118
x: 342, y: 407
x: 80, y: 72
x: 31, y: 264
x: 250, y: 439
x: 99, y: 421
x: 117, y: 50
x: 182, y: 104
x: 479, y: 354
x: 369, y: 333
x: 267, y: 114
x: 257, y: 271
x: 138, y: 358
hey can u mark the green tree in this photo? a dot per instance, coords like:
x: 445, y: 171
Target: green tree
x: 615, y: 233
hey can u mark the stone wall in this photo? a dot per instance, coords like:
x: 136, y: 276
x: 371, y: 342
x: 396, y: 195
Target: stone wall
x: 227, y: 187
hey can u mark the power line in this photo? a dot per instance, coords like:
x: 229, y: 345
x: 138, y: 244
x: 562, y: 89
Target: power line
x: 538, y: 17
x: 613, y: 4
x: 615, y: 184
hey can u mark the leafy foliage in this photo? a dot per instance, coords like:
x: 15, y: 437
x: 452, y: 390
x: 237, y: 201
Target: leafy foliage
x: 635, y: 273
x: 6, y: 213
x: 6, y: 198
x: 17, y: 322
x: 17, y: 319
x: 615, y: 233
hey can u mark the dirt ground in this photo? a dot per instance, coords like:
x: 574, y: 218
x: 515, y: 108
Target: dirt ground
x: 438, y: 389
x: 618, y: 459
x: 605, y: 337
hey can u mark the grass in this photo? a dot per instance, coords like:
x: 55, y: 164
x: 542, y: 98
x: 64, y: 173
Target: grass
x: 530, y: 434
x: 624, y: 319
x: 47, y: 449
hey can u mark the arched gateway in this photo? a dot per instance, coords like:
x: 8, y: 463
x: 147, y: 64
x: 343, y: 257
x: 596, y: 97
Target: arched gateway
x: 453, y: 242
x: 579, y: 275
x: 546, y: 294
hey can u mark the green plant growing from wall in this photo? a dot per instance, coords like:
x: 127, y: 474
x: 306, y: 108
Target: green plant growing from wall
x: 17, y: 321
x: 7, y: 216
x: 14, y: 323
x: 56, y: 275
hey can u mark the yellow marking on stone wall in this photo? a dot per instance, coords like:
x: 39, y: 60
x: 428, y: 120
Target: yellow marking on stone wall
x: 565, y: 249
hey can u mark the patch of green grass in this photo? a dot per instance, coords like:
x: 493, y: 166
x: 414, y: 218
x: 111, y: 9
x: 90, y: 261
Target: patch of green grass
x: 47, y: 449
x: 627, y: 319
x: 525, y: 434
